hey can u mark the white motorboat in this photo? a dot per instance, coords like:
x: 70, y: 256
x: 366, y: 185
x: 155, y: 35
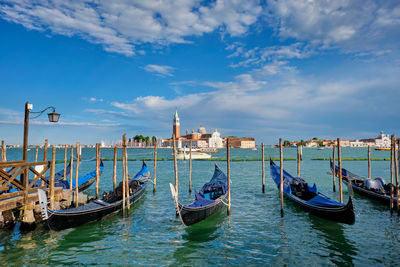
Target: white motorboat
x: 195, y: 155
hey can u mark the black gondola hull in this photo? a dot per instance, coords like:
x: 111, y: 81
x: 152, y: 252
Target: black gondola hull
x: 86, y: 185
x: 194, y: 215
x: 59, y: 220
x: 356, y: 180
x: 343, y: 214
x: 339, y: 213
x: 384, y: 199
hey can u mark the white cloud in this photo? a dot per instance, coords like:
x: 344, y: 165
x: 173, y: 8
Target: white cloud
x: 93, y: 99
x: 160, y: 70
x: 358, y: 25
x: 261, y: 55
x: 121, y: 25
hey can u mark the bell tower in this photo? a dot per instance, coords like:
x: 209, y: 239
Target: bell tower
x: 175, y: 129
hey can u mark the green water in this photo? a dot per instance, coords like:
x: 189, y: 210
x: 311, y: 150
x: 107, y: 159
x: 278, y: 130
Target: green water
x: 253, y: 234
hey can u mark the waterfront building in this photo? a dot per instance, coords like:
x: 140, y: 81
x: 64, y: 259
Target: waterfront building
x: 203, y: 139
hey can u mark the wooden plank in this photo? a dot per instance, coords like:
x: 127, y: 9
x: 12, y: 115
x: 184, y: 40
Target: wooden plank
x: 39, y: 175
x: 16, y: 164
x: 13, y: 181
x: 13, y: 201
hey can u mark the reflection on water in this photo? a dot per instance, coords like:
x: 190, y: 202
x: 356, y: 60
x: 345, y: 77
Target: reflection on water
x: 198, y: 236
x: 341, y: 249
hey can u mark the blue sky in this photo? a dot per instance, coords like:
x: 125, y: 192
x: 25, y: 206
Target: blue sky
x: 294, y: 69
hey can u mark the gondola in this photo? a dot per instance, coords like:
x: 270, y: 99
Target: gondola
x: 309, y: 199
x: 84, y: 182
x: 376, y: 189
x: 209, y: 200
x: 95, y: 210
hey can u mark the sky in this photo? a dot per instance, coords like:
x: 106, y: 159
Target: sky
x: 291, y: 69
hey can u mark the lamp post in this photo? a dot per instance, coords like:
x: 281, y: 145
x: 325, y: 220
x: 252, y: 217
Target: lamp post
x: 53, y: 117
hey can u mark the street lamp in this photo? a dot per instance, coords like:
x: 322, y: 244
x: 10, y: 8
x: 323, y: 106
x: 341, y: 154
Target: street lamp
x: 53, y: 117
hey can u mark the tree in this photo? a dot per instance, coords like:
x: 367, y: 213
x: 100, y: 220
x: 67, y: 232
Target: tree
x: 286, y: 143
x: 320, y: 143
x: 138, y: 138
x: 147, y: 140
x: 153, y: 140
x: 315, y: 138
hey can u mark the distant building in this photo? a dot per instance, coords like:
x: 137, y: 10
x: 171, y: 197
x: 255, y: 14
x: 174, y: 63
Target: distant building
x: 241, y: 142
x: 203, y: 139
x: 383, y: 140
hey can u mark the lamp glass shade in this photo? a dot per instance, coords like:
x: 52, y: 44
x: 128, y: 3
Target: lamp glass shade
x: 53, y: 117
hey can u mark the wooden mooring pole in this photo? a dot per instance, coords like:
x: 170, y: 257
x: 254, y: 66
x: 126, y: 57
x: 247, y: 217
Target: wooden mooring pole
x: 3, y: 152
x: 52, y: 173
x: 281, y: 174
x: 334, y: 169
x: 369, y: 161
x: 72, y: 167
x: 396, y: 174
x: 228, y: 172
x: 397, y: 181
x: 36, y: 153
x: 78, y: 158
x: 175, y: 165
x: 123, y: 174
x: 46, y: 144
x: 155, y: 167
x: 65, y: 162
x: 301, y: 152
x: 298, y: 161
x: 392, y: 152
x: 263, y: 167
x: 97, y: 170
x: 128, y: 203
x: 190, y: 167
x: 115, y: 168
x: 340, y: 171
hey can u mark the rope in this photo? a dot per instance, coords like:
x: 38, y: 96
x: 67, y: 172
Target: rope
x: 226, y: 204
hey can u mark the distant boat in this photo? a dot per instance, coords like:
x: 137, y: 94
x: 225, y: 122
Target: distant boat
x: 384, y: 148
x: 195, y: 155
x: 209, y: 150
x: 321, y: 148
x: 254, y: 149
x: 201, y: 149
